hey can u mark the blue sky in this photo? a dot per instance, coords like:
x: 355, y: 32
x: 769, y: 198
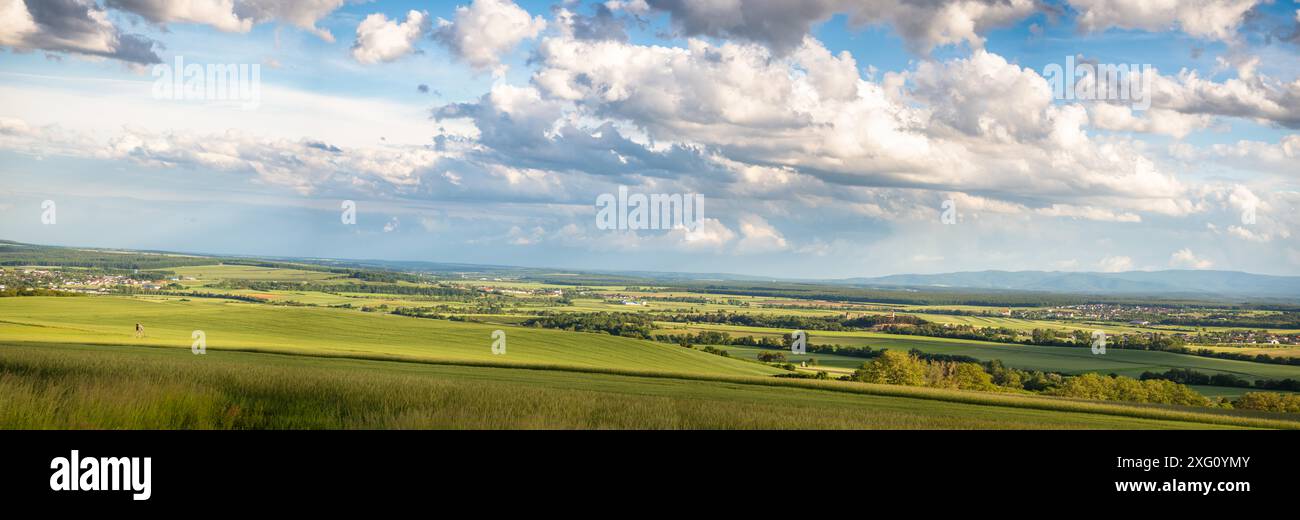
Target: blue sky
x: 825, y: 136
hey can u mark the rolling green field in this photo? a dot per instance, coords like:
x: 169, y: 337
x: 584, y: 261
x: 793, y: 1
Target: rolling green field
x: 56, y: 385
x: 237, y: 325
x: 110, y: 320
x: 75, y: 362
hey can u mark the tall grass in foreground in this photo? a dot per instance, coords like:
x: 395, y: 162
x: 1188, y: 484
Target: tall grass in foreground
x: 56, y: 386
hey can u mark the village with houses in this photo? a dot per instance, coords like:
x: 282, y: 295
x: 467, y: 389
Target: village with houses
x: 84, y: 281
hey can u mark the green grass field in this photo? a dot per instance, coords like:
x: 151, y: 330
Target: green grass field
x: 56, y: 385
x: 110, y: 320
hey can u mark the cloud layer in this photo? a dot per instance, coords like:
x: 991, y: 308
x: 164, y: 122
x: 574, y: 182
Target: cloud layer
x: 802, y: 147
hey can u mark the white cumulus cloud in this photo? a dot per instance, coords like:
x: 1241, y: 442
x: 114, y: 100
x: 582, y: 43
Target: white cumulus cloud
x: 1211, y: 19
x: 485, y: 30
x: 382, y: 40
x: 1185, y: 258
x: 1115, y: 264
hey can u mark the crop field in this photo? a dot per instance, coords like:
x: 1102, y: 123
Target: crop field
x: 1021, y: 324
x: 245, y: 272
x: 653, y: 301
x: 1227, y: 392
x: 646, y: 300
x: 1283, y: 351
x: 1029, y: 357
x: 330, y: 298
x: 831, y: 363
x: 57, y: 385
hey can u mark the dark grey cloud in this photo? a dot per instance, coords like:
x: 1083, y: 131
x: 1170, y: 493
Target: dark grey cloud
x: 1270, y: 26
x: 80, y: 26
x: 324, y: 146
x: 300, y: 13
x: 601, y: 25
x: 234, y: 16
x: 154, y: 11
x: 782, y: 24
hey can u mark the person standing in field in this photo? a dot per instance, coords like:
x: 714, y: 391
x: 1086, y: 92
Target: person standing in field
x: 139, y: 330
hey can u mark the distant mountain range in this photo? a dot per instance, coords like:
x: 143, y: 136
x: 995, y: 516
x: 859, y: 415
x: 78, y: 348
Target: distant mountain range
x: 1225, y: 283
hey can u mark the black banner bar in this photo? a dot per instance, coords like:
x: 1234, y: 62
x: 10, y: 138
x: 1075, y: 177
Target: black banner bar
x: 187, y: 467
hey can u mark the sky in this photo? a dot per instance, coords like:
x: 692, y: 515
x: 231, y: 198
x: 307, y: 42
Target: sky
x: 826, y: 138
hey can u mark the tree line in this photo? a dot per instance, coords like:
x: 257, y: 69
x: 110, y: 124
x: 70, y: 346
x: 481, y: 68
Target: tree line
x: 1188, y: 376
x: 1080, y: 338
x: 899, y: 368
x: 793, y: 322
x: 631, y: 325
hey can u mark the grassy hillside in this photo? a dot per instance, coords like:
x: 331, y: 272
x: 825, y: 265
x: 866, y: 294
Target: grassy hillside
x: 169, y: 322
x: 55, y: 385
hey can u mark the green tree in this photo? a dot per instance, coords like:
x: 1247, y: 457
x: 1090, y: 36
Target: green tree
x: 1269, y: 401
x: 893, y: 367
x: 970, y: 376
x: 1087, y: 386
